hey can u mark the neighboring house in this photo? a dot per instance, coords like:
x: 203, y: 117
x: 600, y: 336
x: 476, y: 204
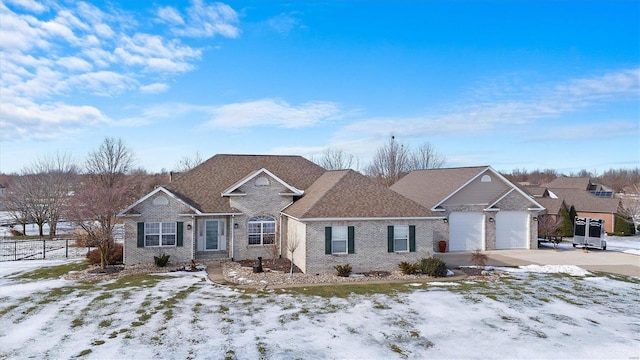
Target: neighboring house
x: 588, y: 198
x: 481, y: 208
x: 246, y: 206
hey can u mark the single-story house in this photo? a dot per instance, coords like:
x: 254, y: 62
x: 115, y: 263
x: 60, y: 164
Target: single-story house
x: 247, y: 206
x: 481, y: 208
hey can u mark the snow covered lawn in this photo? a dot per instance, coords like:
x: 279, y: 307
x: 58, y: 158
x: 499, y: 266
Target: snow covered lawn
x: 531, y: 312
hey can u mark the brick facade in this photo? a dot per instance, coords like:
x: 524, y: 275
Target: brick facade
x: 370, y: 245
x: 157, y: 208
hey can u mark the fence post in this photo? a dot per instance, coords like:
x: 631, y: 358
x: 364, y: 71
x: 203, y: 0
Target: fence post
x: 15, y: 250
x: 44, y: 249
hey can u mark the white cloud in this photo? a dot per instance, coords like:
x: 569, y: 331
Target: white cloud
x: 170, y: 15
x: 272, y: 112
x: 154, y: 88
x: 29, y: 5
x: 78, y: 48
x: 29, y: 120
x: 283, y: 23
x: 202, y: 20
x: 571, y: 96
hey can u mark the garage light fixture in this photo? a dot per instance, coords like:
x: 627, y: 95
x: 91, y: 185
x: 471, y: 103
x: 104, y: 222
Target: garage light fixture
x: 189, y: 226
x: 491, y: 220
x: 445, y: 220
x: 535, y: 218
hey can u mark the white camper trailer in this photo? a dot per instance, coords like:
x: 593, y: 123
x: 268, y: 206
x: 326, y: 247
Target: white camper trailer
x: 589, y: 233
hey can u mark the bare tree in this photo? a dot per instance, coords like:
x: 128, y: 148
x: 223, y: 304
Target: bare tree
x: 390, y: 163
x: 105, y: 191
x: 59, y: 173
x: 27, y: 199
x: 110, y: 163
x: 336, y: 159
x: 187, y: 163
x: 292, y: 246
x: 427, y: 157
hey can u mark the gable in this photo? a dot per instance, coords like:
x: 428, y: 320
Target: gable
x: 158, y: 201
x: 482, y: 190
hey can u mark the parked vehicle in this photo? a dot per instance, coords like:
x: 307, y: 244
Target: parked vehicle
x: 589, y: 233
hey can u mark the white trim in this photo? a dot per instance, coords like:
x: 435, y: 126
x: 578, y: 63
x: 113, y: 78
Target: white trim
x: 228, y: 192
x: 155, y: 191
x: 365, y: 218
x: 210, y: 214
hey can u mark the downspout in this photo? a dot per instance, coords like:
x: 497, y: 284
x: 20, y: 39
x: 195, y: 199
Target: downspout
x: 280, y: 220
x: 233, y: 226
x: 193, y: 237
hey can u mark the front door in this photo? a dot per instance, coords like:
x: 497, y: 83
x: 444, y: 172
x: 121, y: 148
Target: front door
x: 211, y: 235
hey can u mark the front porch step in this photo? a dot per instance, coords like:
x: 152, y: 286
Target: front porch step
x: 212, y: 255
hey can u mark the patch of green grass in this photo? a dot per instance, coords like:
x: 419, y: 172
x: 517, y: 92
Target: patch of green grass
x: 396, y: 349
x: 55, y: 294
x: 624, y: 278
x: 414, y: 333
x: 223, y: 309
x: 84, y: 353
x: 168, y: 315
x: 98, y: 342
x: 105, y: 323
x: 52, y: 272
x: 262, y: 348
x: 345, y: 291
x: 113, y: 335
x: 77, y: 322
x: 6, y: 310
x: 134, y: 281
x: 379, y: 306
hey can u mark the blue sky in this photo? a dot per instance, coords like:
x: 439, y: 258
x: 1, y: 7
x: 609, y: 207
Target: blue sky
x: 511, y: 84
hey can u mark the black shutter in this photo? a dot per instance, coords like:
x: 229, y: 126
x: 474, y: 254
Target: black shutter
x: 179, y: 235
x: 412, y: 238
x: 327, y: 240
x: 390, y: 238
x: 140, y: 234
x: 351, y: 240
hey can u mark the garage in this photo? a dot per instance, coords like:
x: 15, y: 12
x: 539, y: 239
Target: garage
x: 466, y: 231
x: 512, y: 230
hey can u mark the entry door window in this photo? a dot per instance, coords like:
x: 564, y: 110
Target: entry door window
x: 211, y: 235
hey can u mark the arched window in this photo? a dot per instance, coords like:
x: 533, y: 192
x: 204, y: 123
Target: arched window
x: 262, y: 230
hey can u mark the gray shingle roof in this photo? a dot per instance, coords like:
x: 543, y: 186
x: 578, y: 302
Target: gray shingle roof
x: 202, y: 186
x: 585, y: 202
x: 349, y: 194
x: 565, y: 182
x: 429, y: 187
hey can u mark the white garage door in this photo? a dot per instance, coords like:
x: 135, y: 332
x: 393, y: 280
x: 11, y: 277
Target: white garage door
x: 466, y: 231
x: 512, y: 230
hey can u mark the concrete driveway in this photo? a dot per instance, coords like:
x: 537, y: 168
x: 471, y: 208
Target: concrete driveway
x: 593, y: 260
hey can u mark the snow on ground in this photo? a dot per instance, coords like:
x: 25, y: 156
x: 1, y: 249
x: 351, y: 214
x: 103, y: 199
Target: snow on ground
x: 525, y: 314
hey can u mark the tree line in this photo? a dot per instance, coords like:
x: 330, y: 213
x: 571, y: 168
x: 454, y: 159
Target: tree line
x: 91, y: 193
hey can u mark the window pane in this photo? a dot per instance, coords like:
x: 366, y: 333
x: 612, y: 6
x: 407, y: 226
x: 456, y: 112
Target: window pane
x: 254, y: 228
x: 401, y: 232
x: 339, y: 233
x: 339, y: 247
x: 151, y: 228
x: 254, y: 239
x: 268, y: 238
x: 169, y: 228
x: 168, y: 240
x: 400, y: 245
x: 152, y: 240
x: 269, y: 228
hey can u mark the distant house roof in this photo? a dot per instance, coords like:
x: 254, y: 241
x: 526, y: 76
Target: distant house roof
x: 202, y: 187
x: 349, y: 194
x: 585, y: 202
x: 552, y: 205
x: 564, y: 182
x: 535, y: 190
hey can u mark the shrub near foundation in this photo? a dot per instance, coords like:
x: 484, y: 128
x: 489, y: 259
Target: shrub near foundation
x: 343, y: 270
x: 114, y: 257
x: 433, y: 266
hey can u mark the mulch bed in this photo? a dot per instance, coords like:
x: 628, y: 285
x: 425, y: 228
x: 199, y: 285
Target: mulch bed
x: 280, y: 264
x: 471, y: 271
